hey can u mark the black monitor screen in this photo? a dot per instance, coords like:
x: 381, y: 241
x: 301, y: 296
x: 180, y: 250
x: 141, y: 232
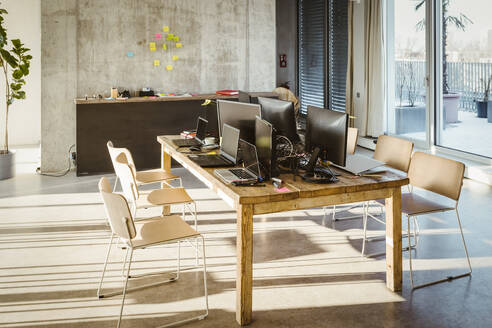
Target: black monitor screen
x: 327, y: 130
x: 201, y: 129
x: 281, y: 115
x: 264, y: 146
x: 243, y: 97
x: 239, y: 115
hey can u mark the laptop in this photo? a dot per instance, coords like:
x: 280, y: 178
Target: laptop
x: 228, y: 150
x: 201, y: 131
x: 358, y: 164
x: 244, y: 175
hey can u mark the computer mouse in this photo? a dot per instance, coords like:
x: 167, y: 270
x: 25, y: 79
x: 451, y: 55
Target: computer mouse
x: 195, y: 148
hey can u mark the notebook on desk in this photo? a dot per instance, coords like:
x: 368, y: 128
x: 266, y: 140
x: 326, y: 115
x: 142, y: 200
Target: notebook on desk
x: 359, y: 164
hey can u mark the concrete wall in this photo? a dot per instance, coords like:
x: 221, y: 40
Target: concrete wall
x: 24, y: 22
x: 287, y: 42
x: 227, y: 44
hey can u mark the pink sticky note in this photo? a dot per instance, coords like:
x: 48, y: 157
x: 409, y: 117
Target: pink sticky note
x: 158, y: 35
x: 283, y: 189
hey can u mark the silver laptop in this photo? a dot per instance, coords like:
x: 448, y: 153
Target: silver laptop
x: 244, y: 175
x: 358, y: 164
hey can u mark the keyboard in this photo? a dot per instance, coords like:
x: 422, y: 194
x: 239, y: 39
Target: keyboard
x: 242, y: 174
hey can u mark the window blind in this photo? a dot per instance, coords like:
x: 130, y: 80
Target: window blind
x: 312, y: 59
x: 323, y: 42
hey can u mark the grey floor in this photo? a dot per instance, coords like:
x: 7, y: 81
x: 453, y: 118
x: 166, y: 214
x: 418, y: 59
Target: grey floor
x: 307, y: 271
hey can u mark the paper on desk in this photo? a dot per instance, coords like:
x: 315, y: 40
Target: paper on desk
x: 283, y: 189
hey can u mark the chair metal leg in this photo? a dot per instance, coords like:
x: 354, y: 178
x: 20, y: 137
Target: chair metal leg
x: 124, y: 263
x: 204, y: 315
x: 115, y: 183
x: 448, y: 278
x: 105, y: 265
x: 364, y: 223
x: 124, y: 288
x: 410, y: 253
x: 196, y: 229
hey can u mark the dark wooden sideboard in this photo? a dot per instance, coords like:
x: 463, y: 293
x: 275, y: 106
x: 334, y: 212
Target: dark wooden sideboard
x: 134, y: 123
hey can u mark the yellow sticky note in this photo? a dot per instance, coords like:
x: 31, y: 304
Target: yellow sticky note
x: 164, y: 46
x: 169, y: 67
x: 152, y: 49
x: 152, y: 45
x: 179, y: 45
x: 170, y: 35
x: 175, y: 57
x: 165, y: 29
x: 176, y: 39
x: 157, y: 62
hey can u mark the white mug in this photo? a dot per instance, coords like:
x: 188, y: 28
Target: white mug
x: 209, y: 140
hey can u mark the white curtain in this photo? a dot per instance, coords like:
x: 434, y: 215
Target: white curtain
x: 374, y: 104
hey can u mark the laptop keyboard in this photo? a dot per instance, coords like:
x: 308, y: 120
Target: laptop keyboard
x: 240, y: 173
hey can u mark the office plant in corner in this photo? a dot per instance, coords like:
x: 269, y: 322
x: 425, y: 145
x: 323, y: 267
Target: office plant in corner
x: 14, y: 63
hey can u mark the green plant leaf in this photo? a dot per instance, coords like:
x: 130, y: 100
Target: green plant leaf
x: 17, y: 43
x: 18, y: 73
x: 15, y: 86
x: 8, y: 58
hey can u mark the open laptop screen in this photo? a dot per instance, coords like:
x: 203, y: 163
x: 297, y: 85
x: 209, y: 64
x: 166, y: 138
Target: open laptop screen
x: 249, y: 157
x: 201, y: 129
x: 230, y: 142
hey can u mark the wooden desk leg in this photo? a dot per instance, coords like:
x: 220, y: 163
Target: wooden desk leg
x: 244, y: 270
x: 166, y: 166
x: 393, y: 241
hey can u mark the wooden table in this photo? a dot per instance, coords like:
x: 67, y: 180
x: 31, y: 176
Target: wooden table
x: 261, y: 200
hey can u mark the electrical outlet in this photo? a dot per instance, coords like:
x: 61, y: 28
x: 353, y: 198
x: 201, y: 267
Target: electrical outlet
x: 73, y: 157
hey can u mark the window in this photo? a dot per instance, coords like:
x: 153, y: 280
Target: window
x: 323, y: 32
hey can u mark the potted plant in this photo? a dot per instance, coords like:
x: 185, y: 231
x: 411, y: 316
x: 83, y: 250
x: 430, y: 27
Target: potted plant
x: 14, y: 64
x: 409, y: 115
x: 482, y: 105
x: 450, y: 99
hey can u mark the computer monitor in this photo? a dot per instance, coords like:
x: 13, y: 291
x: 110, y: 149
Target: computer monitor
x: 326, y: 135
x: 243, y: 97
x: 239, y: 115
x: 281, y: 115
x: 250, y: 158
x: 265, y: 148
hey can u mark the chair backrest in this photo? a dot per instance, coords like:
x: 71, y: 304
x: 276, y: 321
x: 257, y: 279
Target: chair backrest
x: 119, y: 216
x: 437, y: 174
x: 127, y: 177
x: 114, y: 152
x: 395, y: 152
x: 352, y: 135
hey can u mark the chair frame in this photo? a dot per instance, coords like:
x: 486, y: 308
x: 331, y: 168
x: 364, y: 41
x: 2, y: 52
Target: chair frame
x: 129, y: 251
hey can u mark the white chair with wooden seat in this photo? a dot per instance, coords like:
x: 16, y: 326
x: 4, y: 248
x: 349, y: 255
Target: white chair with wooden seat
x: 143, y: 234
x: 142, y: 177
x: 152, y: 198
x: 441, y: 176
x: 396, y: 153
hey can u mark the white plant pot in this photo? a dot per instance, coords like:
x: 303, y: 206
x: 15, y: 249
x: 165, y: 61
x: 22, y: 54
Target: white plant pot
x: 7, y: 167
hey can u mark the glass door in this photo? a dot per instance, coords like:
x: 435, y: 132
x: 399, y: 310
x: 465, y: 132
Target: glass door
x: 407, y: 105
x: 464, y: 76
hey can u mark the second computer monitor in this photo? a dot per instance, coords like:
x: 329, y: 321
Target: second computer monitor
x: 265, y: 148
x: 281, y: 115
x: 326, y: 130
x: 239, y: 115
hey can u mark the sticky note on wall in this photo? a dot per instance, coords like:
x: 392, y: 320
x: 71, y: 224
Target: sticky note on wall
x: 169, y: 67
x: 179, y: 45
x: 164, y: 47
x: 158, y: 35
x: 130, y: 54
x: 157, y: 62
x: 165, y: 29
x: 176, y: 39
x: 175, y: 57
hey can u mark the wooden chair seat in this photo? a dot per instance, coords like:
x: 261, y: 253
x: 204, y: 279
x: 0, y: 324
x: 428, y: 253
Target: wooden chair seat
x: 160, y: 197
x: 158, y: 230
x: 155, y: 175
x: 412, y: 204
